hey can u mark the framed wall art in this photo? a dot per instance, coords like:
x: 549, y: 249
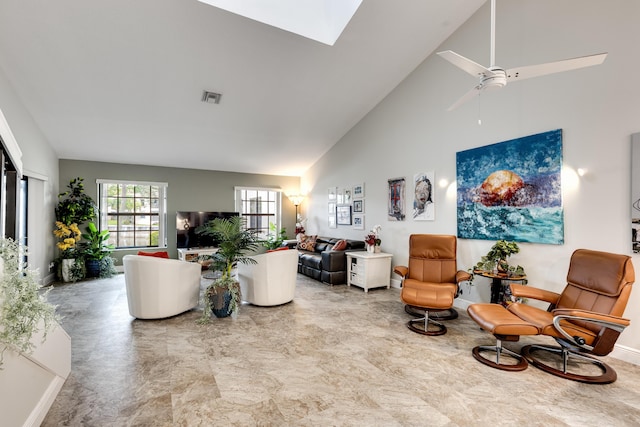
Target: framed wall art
x: 358, y: 191
x: 358, y: 222
x: 512, y: 190
x: 358, y: 206
x: 395, y: 211
x: 343, y: 214
x: 423, y: 197
x: 333, y: 194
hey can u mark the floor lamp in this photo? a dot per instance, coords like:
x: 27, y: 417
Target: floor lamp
x: 296, y: 199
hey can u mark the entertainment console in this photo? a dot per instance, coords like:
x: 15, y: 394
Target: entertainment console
x: 192, y: 254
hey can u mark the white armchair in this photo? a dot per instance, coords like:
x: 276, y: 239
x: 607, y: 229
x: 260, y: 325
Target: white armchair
x: 272, y: 281
x: 159, y: 288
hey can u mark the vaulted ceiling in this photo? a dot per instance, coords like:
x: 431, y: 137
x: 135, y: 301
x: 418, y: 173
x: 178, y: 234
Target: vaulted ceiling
x: 121, y: 81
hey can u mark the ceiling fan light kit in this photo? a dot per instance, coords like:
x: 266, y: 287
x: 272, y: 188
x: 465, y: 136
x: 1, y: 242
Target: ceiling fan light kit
x: 494, y: 77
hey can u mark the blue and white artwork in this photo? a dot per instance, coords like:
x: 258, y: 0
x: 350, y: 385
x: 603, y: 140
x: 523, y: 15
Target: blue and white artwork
x: 512, y: 190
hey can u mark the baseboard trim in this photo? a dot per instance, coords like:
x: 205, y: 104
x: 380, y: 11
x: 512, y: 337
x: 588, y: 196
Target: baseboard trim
x: 48, y: 279
x: 626, y: 354
x: 620, y: 352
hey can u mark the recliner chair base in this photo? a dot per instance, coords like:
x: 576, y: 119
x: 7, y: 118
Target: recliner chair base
x: 425, y: 329
x: 499, y: 350
x: 449, y: 314
x: 608, y: 373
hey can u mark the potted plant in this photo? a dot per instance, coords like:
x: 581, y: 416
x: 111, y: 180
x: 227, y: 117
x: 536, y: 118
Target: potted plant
x: 75, y: 206
x: 95, y: 248
x: 22, y: 304
x: 496, y: 259
x: 70, y: 264
x: 372, y: 239
x: 222, y: 297
x: 274, y: 239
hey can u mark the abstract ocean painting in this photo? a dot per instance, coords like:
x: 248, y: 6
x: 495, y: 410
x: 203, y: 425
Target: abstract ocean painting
x: 512, y: 190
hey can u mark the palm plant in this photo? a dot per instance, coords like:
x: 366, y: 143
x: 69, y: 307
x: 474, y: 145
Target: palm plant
x: 234, y: 241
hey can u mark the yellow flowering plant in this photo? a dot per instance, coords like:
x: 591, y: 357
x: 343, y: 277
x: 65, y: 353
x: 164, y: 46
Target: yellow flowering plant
x: 69, y: 236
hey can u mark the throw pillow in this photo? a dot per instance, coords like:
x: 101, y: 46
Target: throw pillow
x: 283, y: 248
x: 340, y: 245
x: 308, y: 244
x: 160, y: 254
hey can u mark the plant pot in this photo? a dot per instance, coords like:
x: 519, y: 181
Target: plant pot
x: 93, y: 267
x: 371, y: 249
x: 67, y: 266
x: 220, y: 303
x: 377, y: 249
x: 66, y: 270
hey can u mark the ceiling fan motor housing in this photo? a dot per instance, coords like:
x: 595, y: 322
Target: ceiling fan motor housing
x: 494, y: 80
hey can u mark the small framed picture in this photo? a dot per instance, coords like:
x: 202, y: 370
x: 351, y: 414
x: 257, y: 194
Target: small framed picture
x: 333, y: 194
x: 358, y: 222
x: 358, y: 206
x: 332, y: 208
x: 343, y: 214
x: 332, y: 221
x: 347, y: 196
x: 358, y: 191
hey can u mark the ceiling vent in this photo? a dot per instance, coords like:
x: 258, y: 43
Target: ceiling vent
x: 211, y: 97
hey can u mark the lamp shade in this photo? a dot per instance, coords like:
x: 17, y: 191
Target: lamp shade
x: 296, y: 199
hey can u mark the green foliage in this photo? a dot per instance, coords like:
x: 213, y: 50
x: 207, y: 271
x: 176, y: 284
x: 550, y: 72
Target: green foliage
x: 75, y: 206
x: 95, y: 245
x: 77, y: 270
x: 275, y: 239
x: 497, y: 257
x: 22, y: 304
x: 234, y: 242
x: 107, y: 267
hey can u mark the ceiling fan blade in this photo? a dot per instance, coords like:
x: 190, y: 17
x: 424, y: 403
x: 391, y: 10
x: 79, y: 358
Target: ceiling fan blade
x: 464, y: 64
x: 466, y: 97
x: 527, y: 72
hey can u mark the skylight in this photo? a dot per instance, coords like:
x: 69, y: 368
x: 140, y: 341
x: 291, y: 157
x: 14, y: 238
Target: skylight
x: 320, y: 20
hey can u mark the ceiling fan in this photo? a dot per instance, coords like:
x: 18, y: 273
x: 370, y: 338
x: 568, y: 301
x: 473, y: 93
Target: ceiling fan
x: 494, y: 77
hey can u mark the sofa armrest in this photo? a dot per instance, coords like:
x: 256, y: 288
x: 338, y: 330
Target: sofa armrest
x: 334, y: 260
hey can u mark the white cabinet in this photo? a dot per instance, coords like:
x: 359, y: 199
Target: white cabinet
x: 192, y: 254
x: 369, y: 270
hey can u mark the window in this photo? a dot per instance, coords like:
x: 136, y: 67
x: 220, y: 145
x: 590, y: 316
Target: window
x: 134, y: 213
x: 259, y: 207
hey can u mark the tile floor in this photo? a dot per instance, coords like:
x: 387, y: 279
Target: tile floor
x: 335, y: 356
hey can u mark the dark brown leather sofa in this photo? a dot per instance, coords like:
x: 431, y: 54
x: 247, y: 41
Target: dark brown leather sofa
x: 324, y: 264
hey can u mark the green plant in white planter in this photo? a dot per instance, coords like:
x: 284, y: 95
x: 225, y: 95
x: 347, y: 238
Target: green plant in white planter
x: 23, y: 304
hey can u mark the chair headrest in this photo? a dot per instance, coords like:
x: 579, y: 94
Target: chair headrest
x: 600, y: 272
x: 432, y: 246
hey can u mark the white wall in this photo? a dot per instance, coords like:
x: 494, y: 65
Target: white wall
x: 39, y: 160
x: 597, y: 108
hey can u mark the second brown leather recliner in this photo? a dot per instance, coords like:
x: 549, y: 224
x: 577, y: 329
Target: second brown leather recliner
x: 585, y: 319
x: 430, y: 281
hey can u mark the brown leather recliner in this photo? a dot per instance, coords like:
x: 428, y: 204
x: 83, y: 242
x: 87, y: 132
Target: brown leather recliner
x: 430, y: 282
x: 585, y: 319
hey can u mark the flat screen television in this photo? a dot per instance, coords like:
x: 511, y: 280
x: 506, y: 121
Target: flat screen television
x: 186, y: 224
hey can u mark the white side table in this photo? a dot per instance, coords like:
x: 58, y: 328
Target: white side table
x: 369, y: 270
x: 192, y: 254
